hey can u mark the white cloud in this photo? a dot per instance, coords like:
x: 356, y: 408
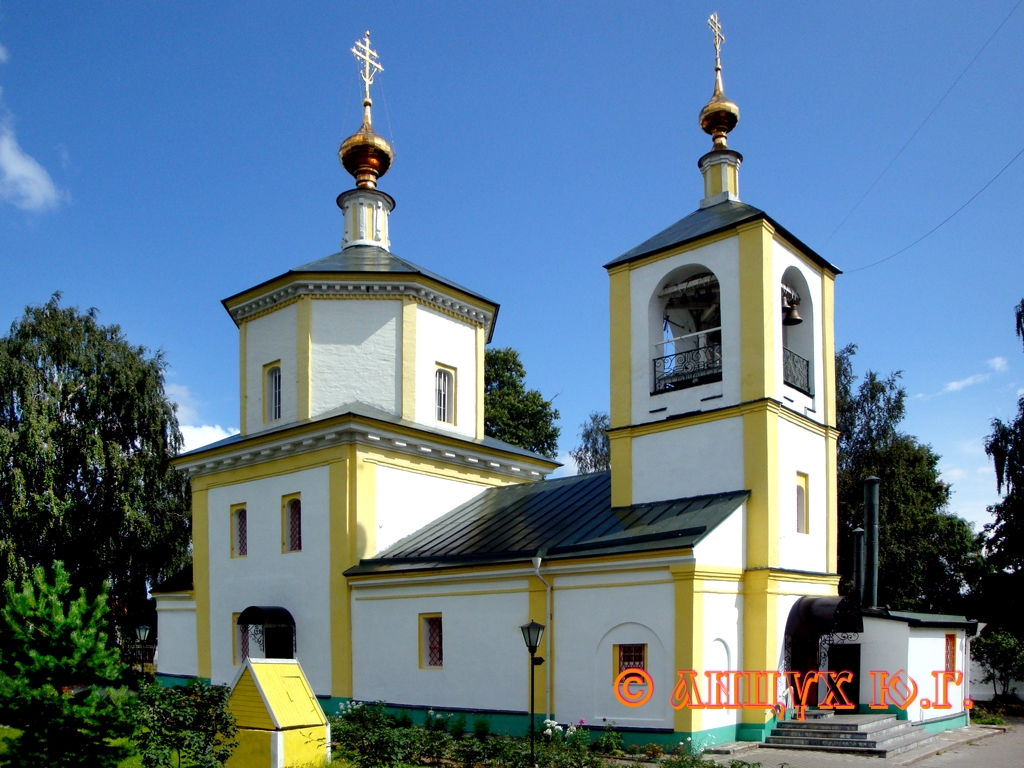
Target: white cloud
x: 568, y: 468
x: 998, y: 364
x: 23, y: 181
x: 953, y: 473
x: 4, y: 55
x: 197, y: 437
x: 986, y: 470
x: 956, y: 386
x: 1020, y: 392
x: 182, y: 396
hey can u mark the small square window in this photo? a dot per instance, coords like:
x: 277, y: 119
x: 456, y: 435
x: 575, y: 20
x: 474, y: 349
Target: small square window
x: 431, y: 641
x: 291, y: 524
x: 631, y: 656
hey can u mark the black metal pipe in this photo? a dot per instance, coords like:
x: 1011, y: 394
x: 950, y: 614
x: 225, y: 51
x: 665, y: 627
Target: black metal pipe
x: 858, y: 564
x: 533, y: 721
x: 871, y: 542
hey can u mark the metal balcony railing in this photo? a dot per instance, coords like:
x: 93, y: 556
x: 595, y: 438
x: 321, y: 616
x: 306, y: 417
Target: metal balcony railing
x: 688, y: 369
x: 796, y: 371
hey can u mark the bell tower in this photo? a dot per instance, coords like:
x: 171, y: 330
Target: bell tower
x: 722, y: 379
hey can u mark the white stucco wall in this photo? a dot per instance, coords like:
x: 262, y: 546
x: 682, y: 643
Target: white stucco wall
x: 800, y: 450
x: 926, y: 654
x: 357, y: 354
x: 589, y: 621
x: 722, y: 258
x: 268, y: 338
x: 884, y: 645
x: 689, y: 461
x: 485, y: 663
x: 297, y: 581
x: 782, y: 259
x: 407, y: 501
x: 726, y: 545
x: 176, y: 636
x: 443, y: 340
x: 723, y: 646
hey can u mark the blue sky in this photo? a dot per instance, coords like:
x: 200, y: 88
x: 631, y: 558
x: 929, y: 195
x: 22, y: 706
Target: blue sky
x: 155, y: 158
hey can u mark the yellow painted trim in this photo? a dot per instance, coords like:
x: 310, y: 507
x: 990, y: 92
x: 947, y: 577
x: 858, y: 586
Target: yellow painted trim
x: 481, y: 355
x: 440, y: 593
x: 537, y: 609
x: 614, y: 584
x: 828, y: 346
x: 340, y: 592
x: 233, y: 533
x: 304, y: 356
x: 796, y: 577
x: 734, y: 180
x: 424, y: 467
x: 621, y: 354
x: 761, y: 478
x: 243, y: 385
x: 454, y: 400
x: 201, y: 576
x: 760, y: 634
x: 661, y: 256
x: 234, y: 639
x: 758, y: 298
x: 285, y: 501
x: 714, y: 172
x: 264, y: 405
x: 621, y: 457
x: 409, y: 309
x: 420, y: 621
x: 831, y: 505
x: 803, y: 482
x: 689, y: 636
x: 365, y: 506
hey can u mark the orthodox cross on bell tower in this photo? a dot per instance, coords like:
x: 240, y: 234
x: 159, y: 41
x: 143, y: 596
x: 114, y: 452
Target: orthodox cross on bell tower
x: 370, y: 62
x: 716, y: 27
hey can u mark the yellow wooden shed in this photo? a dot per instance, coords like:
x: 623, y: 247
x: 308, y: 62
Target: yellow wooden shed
x: 280, y: 722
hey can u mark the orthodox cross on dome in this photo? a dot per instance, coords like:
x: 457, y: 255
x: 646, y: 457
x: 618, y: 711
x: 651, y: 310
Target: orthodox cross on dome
x: 716, y: 27
x: 370, y: 62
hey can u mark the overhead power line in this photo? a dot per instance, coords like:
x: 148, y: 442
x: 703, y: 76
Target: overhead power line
x: 926, y: 119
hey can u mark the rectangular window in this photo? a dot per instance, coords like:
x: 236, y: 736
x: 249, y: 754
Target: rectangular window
x: 240, y: 643
x: 431, y: 641
x: 272, y: 391
x: 802, y: 514
x: 444, y: 391
x: 951, y: 653
x: 291, y: 523
x: 239, y: 531
x: 631, y: 656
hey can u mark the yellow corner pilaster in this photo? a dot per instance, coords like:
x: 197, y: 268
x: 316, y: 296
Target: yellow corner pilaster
x: 340, y: 592
x: 481, y: 356
x: 828, y: 346
x: 621, y: 445
x: 365, y: 501
x: 761, y: 477
x: 621, y: 354
x: 758, y: 297
x: 243, y: 389
x: 409, y: 360
x: 538, y: 612
x: 831, y: 504
x: 689, y: 641
x: 760, y: 631
x: 201, y: 577
x: 304, y: 356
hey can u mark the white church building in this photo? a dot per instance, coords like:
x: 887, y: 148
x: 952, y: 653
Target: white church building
x: 363, y: 523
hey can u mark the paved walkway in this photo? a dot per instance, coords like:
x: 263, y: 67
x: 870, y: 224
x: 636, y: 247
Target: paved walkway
x: 1003, y: 750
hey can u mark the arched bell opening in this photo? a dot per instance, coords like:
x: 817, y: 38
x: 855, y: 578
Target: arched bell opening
x: 822, y: 633
x: 686, y: 329
x: 271, y: 628
x: 797, y: 332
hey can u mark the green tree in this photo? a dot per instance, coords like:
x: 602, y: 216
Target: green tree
x: 593, y: 454
x: 190, y: 724
x: 512, y: 412
x: 929, y: 559
x: 1002, y: 656
x: 86, y: 438
x: 55, y: 673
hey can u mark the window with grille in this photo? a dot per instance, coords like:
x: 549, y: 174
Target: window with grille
x: 273, y: 393
x: 801, y: 503
x: 241, y: 644
x: 632, y: 656
x: 241, y: 532
x: 293, y: 526
x: 433, y: 642
x: 951, y: 653
x: 444, y: 381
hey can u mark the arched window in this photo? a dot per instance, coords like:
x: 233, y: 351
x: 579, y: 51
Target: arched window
x: 273, y: 393
x: 240, y: 529
x: 688, y: 346
x: 797, y: 332
x: 444, y: 387
x: 293, y: 526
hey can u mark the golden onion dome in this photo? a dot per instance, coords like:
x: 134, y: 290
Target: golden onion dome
x: 366, y: 154
x: 719, y: 116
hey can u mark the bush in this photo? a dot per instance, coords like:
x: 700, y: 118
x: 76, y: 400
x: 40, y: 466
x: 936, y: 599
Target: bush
x: 481, y: 728
x: 457, y: 726
x: 610, y: 740
x: 184, y: 726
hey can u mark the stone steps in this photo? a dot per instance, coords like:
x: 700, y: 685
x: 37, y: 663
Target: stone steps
x: 877, y: 735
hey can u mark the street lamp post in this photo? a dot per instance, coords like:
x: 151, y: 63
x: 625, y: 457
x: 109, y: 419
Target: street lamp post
x: 142, y: 633
x: 532, y: 634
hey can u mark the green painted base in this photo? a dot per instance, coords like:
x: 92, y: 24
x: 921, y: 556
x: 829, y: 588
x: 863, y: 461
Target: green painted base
x: 177, y: 681
x: 958, y: 720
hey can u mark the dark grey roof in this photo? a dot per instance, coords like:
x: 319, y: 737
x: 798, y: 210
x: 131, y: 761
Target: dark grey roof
x: 568, y: 517
x: 708, y: 221
x: 916, y: 619
x: 179, y: 582
x: 369, y: 412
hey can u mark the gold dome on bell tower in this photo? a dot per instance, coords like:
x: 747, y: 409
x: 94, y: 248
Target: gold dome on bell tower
x: 720, y: 115
x: 366, y: 154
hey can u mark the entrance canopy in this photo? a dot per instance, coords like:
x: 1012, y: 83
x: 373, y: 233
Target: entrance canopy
x: 266, y: 615
x: 272, y: 628
x: 816, y: 616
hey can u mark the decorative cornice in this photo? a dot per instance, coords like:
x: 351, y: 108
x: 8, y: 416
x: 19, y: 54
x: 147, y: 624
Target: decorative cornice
x: 360, y: 289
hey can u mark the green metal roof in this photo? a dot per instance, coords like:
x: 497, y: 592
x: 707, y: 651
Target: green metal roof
x: 708, y: 221
x: 567, y: 517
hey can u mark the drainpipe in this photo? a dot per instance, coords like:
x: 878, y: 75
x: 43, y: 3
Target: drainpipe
x: 547, y: 643
x: 871, y: 526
